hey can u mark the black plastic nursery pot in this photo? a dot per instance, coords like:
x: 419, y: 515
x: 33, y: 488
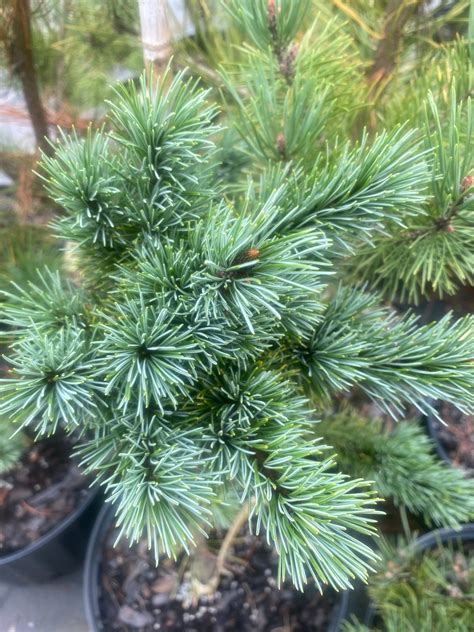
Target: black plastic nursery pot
x: 92, y: 580
x: 359, y: 604
x: 57, y: 552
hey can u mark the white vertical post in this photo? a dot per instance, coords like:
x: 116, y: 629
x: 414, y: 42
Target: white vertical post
x: 155, y: 30
x: 161, y: 21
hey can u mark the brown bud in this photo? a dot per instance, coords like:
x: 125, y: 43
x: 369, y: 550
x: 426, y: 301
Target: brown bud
x: 449, y: 228
x: 467, y: 183
x: 252, y: 254
x: 271, y: 14
x: 281, y: 144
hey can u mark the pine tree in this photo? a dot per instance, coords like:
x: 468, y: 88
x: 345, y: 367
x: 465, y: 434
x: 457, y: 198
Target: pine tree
x: 276, y: 124
x: 201, y: 342
x: 377, y: 65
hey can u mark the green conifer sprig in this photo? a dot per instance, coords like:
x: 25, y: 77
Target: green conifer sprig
x: 171, y: 137
x: 110, y: 204
x: 433, y: 251
x: 358, y: 342
x: 148, y: 356
x: 255, y: 429
x: 270, y: 24
x: 82, y: 180
x: 288, y: 102
x: 53, y: 384
x: 283, y: 83
x: 49, y: 305
x: 403, y: 466
x: 373, y: 183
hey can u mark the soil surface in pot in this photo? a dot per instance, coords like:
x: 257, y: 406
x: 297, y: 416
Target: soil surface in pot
x: 137, y: 595
x: 457, y: 437
x: 44, y: 488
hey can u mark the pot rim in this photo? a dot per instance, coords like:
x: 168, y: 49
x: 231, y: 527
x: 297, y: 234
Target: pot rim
x: 439, y: 448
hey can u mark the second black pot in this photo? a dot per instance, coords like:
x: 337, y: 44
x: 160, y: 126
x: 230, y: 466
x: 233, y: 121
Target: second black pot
x: 57, y: 552
x: 439, y: 448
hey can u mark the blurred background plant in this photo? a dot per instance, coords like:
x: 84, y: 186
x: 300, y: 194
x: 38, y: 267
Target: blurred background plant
x: 429, y: 591
x: 12, y: 445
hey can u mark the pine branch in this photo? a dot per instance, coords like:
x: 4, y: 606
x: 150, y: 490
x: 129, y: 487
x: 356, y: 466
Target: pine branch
x: 394, y: 360
x: 51, y: 305
x: 155, y: 478
x: 269, y: 23
x: 52, y: 384
x: 145, y: 356
x: 433, y: 252
x: 284, y: 84
x: 255, y: 432
x: 403, y: 466
x: 370, y: 186
x: 81, y: 177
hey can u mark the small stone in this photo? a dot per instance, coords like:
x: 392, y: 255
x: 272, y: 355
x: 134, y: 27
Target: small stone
x: 133, y: 618
x: 164, y: 584
x: 159, y: 599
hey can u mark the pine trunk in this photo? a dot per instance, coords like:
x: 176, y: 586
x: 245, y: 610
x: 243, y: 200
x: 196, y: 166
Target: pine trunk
x: 21, y: 57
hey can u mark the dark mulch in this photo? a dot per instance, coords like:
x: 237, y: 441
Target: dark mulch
x: 135, y: 595
x: 44, y: 488
x: 457, y: 437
